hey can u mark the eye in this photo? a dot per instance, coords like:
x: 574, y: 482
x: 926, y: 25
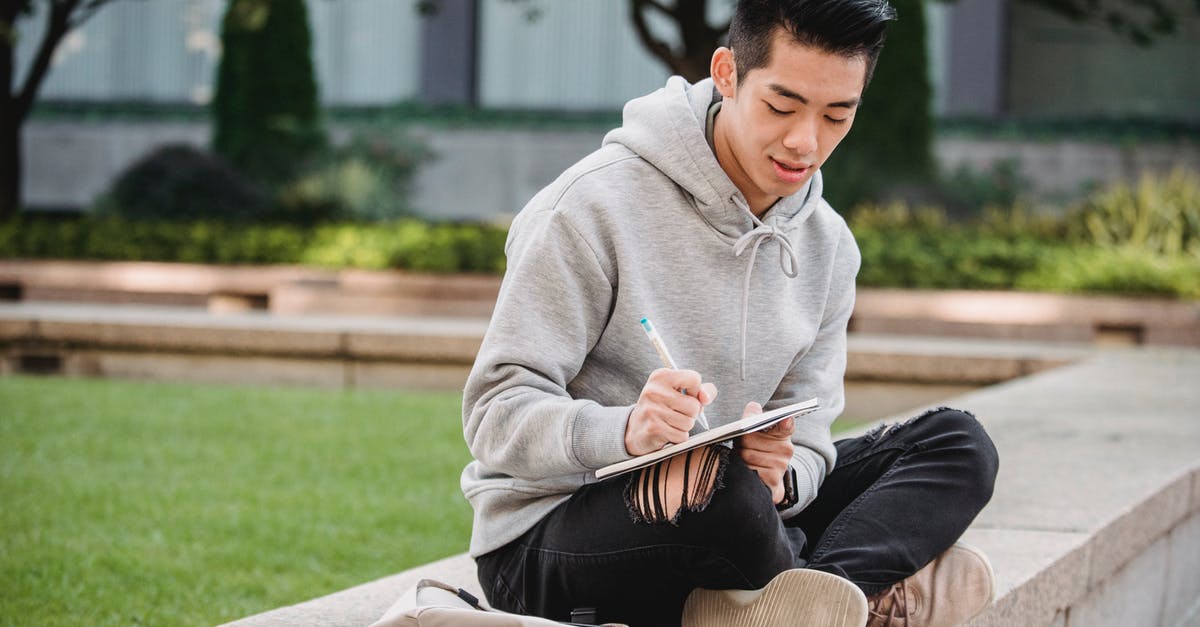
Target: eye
x: 774, y: 110
x: 836, y: 121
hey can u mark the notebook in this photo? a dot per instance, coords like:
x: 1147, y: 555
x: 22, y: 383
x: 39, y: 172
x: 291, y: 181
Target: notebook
x: 716, y: 435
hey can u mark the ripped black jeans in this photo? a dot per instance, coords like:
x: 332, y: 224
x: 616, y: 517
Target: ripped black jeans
x: 898, y: 497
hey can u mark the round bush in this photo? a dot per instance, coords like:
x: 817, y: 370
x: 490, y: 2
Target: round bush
x: 178, y: 182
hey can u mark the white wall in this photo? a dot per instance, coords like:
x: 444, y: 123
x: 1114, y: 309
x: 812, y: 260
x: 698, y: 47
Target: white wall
x: 364, y: 51
x: 576, y: 55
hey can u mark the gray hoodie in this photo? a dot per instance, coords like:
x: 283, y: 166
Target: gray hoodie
x: 650, y: 225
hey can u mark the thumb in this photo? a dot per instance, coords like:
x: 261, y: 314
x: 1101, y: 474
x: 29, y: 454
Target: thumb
x: 752, y: 409
x: 782, y: 429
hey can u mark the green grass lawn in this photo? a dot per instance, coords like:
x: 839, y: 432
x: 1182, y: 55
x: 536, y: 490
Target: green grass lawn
x: 148, y: 503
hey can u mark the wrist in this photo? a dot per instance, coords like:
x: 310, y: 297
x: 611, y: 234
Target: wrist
x: 791, y: 490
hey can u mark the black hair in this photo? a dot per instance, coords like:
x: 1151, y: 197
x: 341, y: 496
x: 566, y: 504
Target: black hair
x: 844, y: 27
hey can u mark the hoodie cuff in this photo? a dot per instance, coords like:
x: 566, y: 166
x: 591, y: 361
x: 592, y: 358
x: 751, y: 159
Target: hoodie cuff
x: 810, y: 472
x: 598, y: 435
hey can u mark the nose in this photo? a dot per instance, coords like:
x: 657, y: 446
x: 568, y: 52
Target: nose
x: 801, y: 137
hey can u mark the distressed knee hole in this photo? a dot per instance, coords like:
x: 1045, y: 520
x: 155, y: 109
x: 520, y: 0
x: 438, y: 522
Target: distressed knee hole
x: 662, y: 492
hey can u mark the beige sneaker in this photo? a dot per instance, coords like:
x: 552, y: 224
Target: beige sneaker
x: 794, y: 597
x: 952, y: 589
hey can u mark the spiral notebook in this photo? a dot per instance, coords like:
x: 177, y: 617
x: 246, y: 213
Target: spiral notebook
x: 716, y: 435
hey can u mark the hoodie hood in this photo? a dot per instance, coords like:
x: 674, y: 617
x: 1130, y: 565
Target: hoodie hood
x: 666, y: 128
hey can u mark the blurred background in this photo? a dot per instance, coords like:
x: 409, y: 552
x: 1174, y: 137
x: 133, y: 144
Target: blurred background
x: 1013, y: 98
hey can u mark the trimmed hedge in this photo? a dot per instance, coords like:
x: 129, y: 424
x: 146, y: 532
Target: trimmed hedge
x: 408, y: 244
x: 921, y: 253
x: 1149, y: 244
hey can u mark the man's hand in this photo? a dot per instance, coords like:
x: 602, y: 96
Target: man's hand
x: 664, y: 414
x: 768, y: 452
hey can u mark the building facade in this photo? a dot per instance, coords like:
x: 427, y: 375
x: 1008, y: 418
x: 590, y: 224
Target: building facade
x: 988, y: 58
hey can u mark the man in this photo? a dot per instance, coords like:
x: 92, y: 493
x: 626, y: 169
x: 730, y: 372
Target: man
x: 704, y: 213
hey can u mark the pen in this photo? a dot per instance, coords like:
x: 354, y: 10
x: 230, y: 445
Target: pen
x: 665, y: 355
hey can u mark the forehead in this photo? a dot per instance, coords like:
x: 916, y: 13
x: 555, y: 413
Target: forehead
x: 795, y: 65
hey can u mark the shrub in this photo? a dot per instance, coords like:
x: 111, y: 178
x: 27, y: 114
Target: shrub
x: 406, y: 244
x: 967, y: 190
x: 367, y: 179
x: 891, y: 142
x: 180, y: 182
x: 265, y: 111
x: 1124, y: 270
x: 1158, y: 215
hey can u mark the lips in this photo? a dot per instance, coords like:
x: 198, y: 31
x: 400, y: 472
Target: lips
x: 791, y: 172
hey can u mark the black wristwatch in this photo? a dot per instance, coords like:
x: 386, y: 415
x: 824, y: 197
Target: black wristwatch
x: 790, y: 490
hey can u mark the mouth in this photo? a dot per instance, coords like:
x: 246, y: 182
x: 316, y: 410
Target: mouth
x: 791, y: 172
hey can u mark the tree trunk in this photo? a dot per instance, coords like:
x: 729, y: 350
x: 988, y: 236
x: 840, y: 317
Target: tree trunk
x: 10, y: 169
x: 16, y: 101
x: 10, y: 152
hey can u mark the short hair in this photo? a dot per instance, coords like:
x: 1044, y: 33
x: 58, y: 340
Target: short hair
x: 844, y: 27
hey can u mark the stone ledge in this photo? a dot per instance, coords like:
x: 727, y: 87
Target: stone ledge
x: 125, y: 340
x: 1095, y: 519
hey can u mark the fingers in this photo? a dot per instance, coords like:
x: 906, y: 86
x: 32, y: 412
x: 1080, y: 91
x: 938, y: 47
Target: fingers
x: 770, y: 464
x: 707, y: 393
x: 664, y: 414
x: 781, y: 430
x: 681, y: 390
x: 764, y: 460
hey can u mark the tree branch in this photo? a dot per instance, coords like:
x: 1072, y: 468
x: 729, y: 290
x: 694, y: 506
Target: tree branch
x: 86, y: 11
x: 652, y: 44
x: 57, y: 25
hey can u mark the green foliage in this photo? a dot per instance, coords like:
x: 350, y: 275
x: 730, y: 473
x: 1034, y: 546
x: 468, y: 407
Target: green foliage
x: 966, y: 190
x: 364, y: 180
x: 370, y: 178
x: 1135, y: 240
x: 1120, y: 270
x: 1013, y: 248
x: 405, y: 244
x: 265, y: 111
x: 134, y: 503
x: 1158, y: 215
x: 179, y: 182
x: 890, y: 143
x: 947, y: 258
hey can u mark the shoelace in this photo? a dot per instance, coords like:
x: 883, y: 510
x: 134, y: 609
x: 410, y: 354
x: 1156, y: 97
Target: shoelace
x: 897, y: 613
x: 789, y: 262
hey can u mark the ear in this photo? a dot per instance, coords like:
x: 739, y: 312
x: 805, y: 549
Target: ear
x: 724, y: 72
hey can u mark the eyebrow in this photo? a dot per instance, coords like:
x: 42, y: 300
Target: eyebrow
x: 787, y: 93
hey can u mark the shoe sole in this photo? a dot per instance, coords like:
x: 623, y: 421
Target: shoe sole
x: 794, y: 597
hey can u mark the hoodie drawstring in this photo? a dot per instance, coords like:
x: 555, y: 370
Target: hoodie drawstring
x: 789, y: 262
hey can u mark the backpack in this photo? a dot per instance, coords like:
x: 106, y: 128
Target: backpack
x: 442, y: 605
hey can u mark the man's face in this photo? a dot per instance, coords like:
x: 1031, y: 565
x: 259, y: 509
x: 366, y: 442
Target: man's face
x: 782, y: 121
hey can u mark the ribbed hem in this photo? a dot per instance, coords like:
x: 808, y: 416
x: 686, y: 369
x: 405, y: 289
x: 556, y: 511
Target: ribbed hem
x: 598, y: 435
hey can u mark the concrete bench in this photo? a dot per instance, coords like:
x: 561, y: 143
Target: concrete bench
x: 1095, y: 518
x: 377, y: 351
x: 278, y: 289
x: 299, y: 290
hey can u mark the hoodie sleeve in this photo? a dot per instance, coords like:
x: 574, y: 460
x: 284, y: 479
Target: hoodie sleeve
x: 518, y: 418
x: 819, y: 372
